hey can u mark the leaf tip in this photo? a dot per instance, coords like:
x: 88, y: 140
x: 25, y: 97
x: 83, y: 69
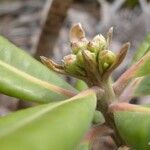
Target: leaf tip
x: 127, y: 45
x: 109, y: 36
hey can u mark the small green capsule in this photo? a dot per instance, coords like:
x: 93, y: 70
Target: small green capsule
x: 70, y: 65
x: 105, y: 66
x: 78, y: 46
x: 80, y: 60
x: 97, y: 44
x: 106, y: 58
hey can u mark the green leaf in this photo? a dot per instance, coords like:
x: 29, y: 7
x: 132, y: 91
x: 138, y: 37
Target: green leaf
x: 134, y: 126
x: 139, y: 69
x: 84, y: 146
x: 144, y: 66
x: 98, y: 118
x: 137, y: 87
x: 143, y: 49
x: 144, y: 87
x: 55, y: 126
x: 24, y: 77
x: 80, y: 85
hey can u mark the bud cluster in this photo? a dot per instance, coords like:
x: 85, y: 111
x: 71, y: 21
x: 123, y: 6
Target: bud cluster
x: 96, y: 53
x: 91, y: 61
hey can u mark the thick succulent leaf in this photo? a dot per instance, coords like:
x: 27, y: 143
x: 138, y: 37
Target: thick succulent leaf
x: 133, y: 123
x: 86, y: 145
x: 139, y: 69
x: 23, y: 77
x: 143, y: 49
x: 56, y: 126
x: 137, y: 87
x: 80, y: 85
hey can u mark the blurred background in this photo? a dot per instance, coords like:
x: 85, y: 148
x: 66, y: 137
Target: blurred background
x: 41, y: 27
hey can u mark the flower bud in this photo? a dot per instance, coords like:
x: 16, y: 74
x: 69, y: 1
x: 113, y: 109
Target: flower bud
x: 78, y: 46
x: 90, y: 63
x: 91, y: 56
x: 97, y: 44
x: 70, y: 65
x: 106, y: 58
x: 80, y: 60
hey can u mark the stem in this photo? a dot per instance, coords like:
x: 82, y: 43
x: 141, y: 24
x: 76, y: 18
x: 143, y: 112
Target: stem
x: 103, y: 105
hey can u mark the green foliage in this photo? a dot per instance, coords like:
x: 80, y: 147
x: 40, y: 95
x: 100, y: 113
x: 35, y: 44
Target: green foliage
x: 98, y: 118
x: 84, y: 146
x: 144, y: 87
x: 144, y: 69
x: 134, y: 127
x: 56, y: 126
x: 143, y: 49
x: 23, y: 77
x: 62, y: 125
x: 80, y: 85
